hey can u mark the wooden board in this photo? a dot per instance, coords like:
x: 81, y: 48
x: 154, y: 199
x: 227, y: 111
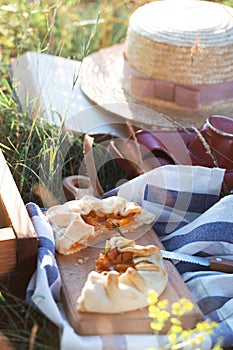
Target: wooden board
x: 74, y: 270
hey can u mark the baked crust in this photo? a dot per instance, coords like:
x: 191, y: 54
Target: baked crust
x: 78, y: 223
x: 115, y: 292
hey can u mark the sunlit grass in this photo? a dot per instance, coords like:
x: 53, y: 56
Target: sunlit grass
x: 71, y: 29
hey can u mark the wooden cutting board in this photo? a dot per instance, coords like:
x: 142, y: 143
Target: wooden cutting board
x: 74, y: 270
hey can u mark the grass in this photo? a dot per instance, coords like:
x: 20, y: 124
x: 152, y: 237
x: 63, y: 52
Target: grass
x: 24, y: 326
x: 71, y: 29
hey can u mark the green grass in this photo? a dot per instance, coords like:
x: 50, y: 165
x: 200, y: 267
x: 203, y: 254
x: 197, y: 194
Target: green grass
x: 24, y: 326
x: 71, y: 29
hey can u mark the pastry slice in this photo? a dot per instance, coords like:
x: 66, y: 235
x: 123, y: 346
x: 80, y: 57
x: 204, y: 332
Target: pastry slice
x: 79, y: 223
x: 124, y: 274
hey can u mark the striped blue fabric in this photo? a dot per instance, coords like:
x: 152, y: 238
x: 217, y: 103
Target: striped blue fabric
x: 193, y: 220
x: 46, y: 254
x: 210, y: 234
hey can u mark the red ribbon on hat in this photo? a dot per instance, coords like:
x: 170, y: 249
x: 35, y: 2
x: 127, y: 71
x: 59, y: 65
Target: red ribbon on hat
x: 190, y: 96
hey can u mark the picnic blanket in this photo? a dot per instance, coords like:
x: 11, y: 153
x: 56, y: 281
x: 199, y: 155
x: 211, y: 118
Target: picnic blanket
x: 191, y: 218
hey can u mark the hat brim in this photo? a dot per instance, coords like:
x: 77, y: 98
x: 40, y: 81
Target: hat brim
x: 101, y: 80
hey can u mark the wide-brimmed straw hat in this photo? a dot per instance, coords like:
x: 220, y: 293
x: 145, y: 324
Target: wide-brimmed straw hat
x: 177, y: 58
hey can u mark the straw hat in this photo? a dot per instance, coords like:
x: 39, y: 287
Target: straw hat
x: 177, y: 59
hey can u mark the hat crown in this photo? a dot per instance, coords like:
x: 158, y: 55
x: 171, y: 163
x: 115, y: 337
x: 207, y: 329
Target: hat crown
x: 177, y: 22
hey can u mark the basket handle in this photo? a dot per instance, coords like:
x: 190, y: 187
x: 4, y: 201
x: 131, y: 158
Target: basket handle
x: 90, y: 164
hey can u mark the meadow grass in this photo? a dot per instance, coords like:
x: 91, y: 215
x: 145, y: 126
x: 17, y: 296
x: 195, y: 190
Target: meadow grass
x: 71, y: 29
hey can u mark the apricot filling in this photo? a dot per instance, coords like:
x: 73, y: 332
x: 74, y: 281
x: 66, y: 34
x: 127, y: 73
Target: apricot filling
x: 100, y: 222
x: 114, y: 260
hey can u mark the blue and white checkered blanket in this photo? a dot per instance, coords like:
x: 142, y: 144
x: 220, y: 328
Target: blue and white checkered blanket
x: 191, y: 218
